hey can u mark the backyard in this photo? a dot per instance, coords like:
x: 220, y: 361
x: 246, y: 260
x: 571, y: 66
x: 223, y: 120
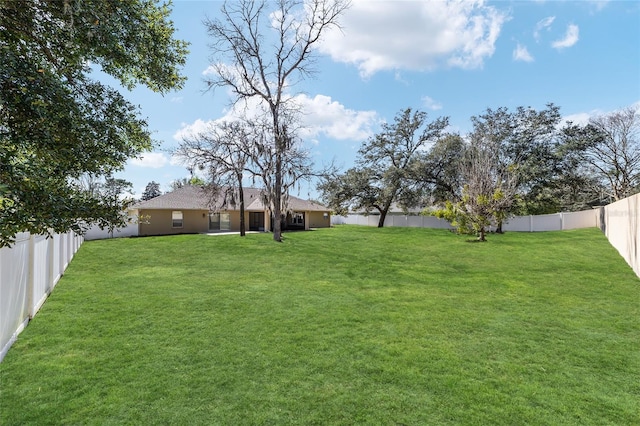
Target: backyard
x: 349, y: 325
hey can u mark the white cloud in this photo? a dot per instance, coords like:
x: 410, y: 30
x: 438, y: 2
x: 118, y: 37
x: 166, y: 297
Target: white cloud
x: 599, y: 4
x: 412, y: 35
x: 571, y: 37
x: 430, y: 103
x: 544, y: 24
x: 190, y: 129
x: 210, y: 70
x: 580, y: 118
x: 177, y: 99
x: 176, y: 161
x: 521, y: 53
x: 320, y: 115
x: 154, y: 160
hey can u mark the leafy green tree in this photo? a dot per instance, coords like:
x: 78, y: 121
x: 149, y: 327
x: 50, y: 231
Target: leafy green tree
x: 260, y: 49
x: 56, y: 123
x: 385, y: 169
x: 524, y: 145
x: 152, y: 190
x: 438, y: 171
x: 181, y: 183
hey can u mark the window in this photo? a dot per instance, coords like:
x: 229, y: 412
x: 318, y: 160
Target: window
x: 176, y: 219
x: 298, y: 218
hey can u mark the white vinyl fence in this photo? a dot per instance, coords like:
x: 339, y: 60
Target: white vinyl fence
x: 95, y: 233
x: 619, y: 222
x: 28, y: 272
x: 548, y: 222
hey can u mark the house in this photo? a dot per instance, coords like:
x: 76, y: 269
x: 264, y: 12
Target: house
x: 191, y: 209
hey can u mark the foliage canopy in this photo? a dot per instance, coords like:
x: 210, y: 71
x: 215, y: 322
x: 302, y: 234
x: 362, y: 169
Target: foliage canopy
x: 56, y: 122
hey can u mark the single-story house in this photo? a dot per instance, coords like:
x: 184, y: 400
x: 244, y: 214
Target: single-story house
x: 191, y: 209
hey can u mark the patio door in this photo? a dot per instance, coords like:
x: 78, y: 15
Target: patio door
x: 219, y: 222
x: 256, y: 221
x: 225, y: 222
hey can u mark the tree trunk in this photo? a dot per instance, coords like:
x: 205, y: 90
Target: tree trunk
x: 481, y: 237
x: 383, y: 212
x: 383, y: 216
x: 277, y: 197
x: 242, y: 224
x: 499, y: 228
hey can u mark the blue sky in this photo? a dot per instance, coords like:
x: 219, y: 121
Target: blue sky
x: 452, y: 59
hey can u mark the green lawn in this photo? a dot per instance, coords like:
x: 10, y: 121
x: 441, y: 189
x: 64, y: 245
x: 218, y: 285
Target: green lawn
x: 351, y: 325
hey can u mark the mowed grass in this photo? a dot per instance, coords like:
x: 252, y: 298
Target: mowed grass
x: 351, y: 325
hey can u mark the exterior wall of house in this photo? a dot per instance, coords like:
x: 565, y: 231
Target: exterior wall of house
x: 317, y: 220
x: 234, y: 219
x: 159, y: 222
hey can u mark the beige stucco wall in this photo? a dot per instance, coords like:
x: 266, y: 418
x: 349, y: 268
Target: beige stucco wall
x: 317, y: 220
x: 234, y: 218
x: 158, y: 222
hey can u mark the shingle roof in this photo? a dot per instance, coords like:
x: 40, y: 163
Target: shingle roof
x: 196, y: 198
x: 186, y: 198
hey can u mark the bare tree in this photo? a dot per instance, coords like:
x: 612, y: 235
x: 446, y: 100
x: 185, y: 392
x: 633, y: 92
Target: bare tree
x: 615, y: 154
x: 223, y: 151
x: 259, y: 53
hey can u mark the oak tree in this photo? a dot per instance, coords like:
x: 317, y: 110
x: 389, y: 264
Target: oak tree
x: 385, y: 168
x: 56, y: 122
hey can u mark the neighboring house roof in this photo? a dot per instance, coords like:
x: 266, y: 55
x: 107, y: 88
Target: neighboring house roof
x: 193, y: 197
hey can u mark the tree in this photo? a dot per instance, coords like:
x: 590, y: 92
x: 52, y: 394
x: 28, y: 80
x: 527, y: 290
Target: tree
x: 152, y: 190
x: 438, y: 171
x: 223, y: 150
x: 56, y: 123
x: 384, y: 173
x: 266, y: 51
x: 181, y: 183
x: 610, y: 146
x: 487, y: 194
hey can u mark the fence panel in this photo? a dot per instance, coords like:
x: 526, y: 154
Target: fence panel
x: 578, y: 220
x: 28, y: 272
x: 96, y: 233
x: 55, y: 259
x: 546, y: 222
x: 14, y: 291
x: 42, y: 248
x: 622, y: 230
x: 518, y: 224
